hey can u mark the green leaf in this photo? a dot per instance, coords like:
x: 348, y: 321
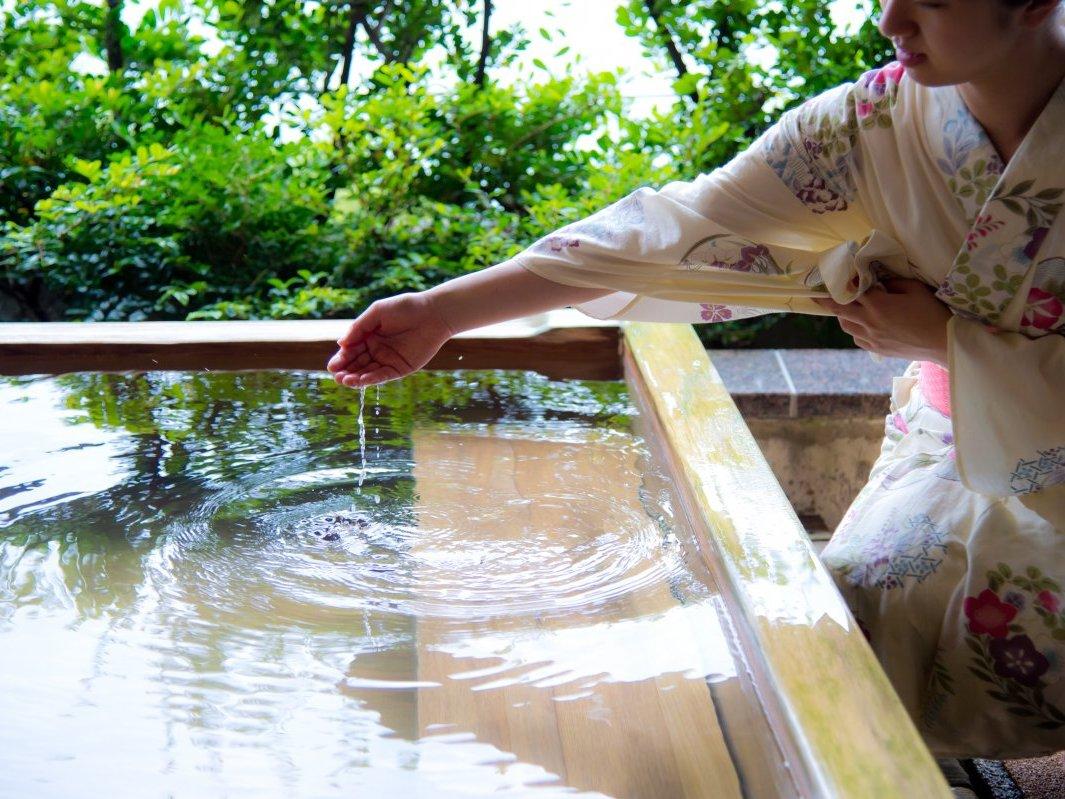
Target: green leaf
x: 983, y: 675
x: 1021, y: 711
x: 1013, y: 206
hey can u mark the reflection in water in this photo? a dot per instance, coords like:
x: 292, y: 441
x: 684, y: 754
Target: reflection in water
x: 203, y: 592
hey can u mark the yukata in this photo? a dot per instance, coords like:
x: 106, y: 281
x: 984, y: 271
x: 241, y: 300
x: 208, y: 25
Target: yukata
x: 952, y: 557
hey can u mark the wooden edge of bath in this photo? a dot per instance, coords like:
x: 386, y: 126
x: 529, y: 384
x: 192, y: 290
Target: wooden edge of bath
x: 833, y: 702
x: 559, y: 344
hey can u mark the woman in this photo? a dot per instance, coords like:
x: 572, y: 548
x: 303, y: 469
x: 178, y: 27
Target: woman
x: 921, y: 205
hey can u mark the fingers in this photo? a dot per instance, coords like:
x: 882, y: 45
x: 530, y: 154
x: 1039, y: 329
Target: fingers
x: 904, y: 285
x: 368, y: 321
x: 376, y: 374
x: 853, y: 328
x: 345, y: 356
x: 842, y: 311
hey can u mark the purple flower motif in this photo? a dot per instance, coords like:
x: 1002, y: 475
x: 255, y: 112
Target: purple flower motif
x: 715, y: 313
x: 812, y: 146
x: 750, y: 257
x: 558, y: 244
x: 1036, y: 242
x: 1017, y: 659
x: 1015, y: 598
x: 819, y: 198
x: 946, y: 289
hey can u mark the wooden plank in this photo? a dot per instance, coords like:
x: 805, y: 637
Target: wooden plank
x: 649, y: 738
x: 559, y: 344
x: 836, y: 707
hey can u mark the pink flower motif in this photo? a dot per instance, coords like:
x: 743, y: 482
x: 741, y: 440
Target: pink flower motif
x: 715, y: 313
x: 987, y: 615
x: 1048, y: 600
x: 878, y: 79
x: 984, y: 224
x: 900, y: 423
x: 893, y: 71
x: 865, y: 109
x: 1044, y: 310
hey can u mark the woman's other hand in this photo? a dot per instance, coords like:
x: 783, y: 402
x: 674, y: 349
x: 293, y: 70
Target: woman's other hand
x: 390, y: 339
x: 900, y: 318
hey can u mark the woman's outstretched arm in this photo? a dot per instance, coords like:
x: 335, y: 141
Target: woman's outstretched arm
x: 399, y: 335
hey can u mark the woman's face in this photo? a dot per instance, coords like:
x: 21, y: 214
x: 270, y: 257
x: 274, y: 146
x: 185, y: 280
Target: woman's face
x: 942, y: 42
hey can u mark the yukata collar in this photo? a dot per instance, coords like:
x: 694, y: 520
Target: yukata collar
x: 1009, y: 209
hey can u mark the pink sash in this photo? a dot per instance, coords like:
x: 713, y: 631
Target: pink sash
x: 934, y: 382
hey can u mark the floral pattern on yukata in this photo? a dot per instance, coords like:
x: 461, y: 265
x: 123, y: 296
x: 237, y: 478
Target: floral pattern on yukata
x: 984, y: 279
x: 985, y: 275
x: 608, y: 226
x: 723, y: 251
x: 1015, y: 660
x: 897, y: 553
x: 1045, y: 310
x: 968, y: 160
x: 810, y: 150
x: 941, y: 462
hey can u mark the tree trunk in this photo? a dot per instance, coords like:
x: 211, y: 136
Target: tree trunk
x: 486, y: 45
x: 356, y: 14
x: 113, y: 35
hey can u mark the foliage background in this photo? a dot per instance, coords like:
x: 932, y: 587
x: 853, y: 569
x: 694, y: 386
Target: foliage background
x: 304, y: 157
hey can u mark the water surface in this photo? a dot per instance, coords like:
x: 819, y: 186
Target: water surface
x: 209, y: 586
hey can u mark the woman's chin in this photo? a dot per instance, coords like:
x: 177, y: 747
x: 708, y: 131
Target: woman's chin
x: 927, y: 75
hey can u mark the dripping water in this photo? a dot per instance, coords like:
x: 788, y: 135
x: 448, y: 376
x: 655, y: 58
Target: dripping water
x: 362, y: 437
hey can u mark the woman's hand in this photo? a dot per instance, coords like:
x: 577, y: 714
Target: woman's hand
x: 390, y: 339
x: 901, y: 318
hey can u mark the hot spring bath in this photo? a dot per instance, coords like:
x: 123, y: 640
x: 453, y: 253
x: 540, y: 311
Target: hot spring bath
x: 205, y: 591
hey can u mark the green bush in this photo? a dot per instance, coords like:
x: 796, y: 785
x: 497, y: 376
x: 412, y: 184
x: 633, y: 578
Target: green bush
x: 167, y: 188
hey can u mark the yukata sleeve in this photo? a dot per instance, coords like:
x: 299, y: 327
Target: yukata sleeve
x: 777, y: 226
x: 1008, y: 407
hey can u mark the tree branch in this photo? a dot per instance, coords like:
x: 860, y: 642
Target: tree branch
x: 666, y: 36
x: 374, y: 36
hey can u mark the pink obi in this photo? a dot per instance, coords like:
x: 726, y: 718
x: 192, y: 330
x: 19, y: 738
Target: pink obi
x: 934, y: 382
